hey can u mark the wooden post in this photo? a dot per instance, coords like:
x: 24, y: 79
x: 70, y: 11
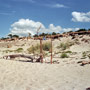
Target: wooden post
x: 51, y: 50
x: 41, y: 53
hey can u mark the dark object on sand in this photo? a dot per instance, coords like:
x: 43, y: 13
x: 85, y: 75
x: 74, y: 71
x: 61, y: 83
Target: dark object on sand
x: 88, y: 88
x: 21, y: 55
x: 84, y: 62
x: 17, y: 55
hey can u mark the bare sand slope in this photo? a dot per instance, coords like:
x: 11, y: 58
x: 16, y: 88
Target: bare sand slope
x: 15, y: 75
x: 67, y: 75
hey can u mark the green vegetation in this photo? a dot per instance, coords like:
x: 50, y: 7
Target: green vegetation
x: 64, y: 46
x: 16, y: 36
x: 68, y: 52
x: 88, y: 29
x: 19, y: 50
x: 89, y: 56
x: 7, y: 51
x: 3, y: 38
x: 81, y: 30
x: 35, y: 35
x: 43, y: 34
x: 36, y: 48
x: 10, y: 35
x: 54, y: 33
x: 64, y: 55
x: 46, y: 46
x: 84, y: 54
x: 13, y: 36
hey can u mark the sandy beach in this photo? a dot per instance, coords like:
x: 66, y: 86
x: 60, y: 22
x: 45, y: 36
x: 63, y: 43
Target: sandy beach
x: 35, y: 76
x: 67, y: 74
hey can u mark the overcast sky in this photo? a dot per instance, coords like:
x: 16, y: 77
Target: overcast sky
x: 25, y: 16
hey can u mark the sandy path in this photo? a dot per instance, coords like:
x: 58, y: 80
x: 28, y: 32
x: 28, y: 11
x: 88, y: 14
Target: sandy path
x: 16, y: 75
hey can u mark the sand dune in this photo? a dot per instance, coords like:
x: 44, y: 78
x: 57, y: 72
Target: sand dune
x: 66, y: 75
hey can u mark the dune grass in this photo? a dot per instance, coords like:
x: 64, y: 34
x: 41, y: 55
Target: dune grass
x: 36, y: 48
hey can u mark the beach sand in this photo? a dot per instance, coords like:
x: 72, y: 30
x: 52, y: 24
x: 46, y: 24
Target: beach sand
x: 65, y: 75
x: 16, y: 75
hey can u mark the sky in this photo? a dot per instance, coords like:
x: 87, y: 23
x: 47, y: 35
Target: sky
x: 26, y: 16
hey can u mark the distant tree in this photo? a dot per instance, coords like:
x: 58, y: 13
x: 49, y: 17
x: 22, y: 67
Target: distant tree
x: 81, y: 30
x: 88, y: 29
x: 35, y: 35
x: 69, y: 31
x: 13, y: 36
x: 43, y: 34
x: 16, y: 36
x: 64, y: 32
x: 10, y: 35
x: 3, y: 38
x: 53, y: 33
x: 58, y: 33
x: 47, y: 34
